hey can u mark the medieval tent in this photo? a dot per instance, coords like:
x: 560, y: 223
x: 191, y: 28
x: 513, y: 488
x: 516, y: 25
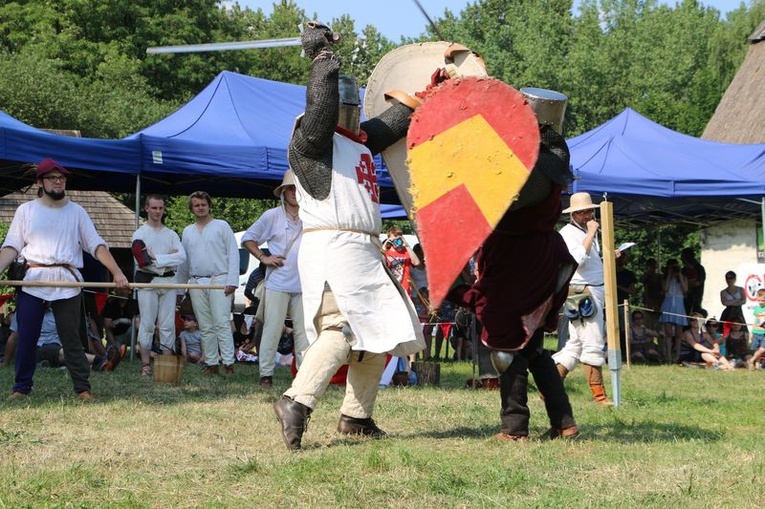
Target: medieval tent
x: 652, y: 173
x: 92, y: 159
x: 231, y: 139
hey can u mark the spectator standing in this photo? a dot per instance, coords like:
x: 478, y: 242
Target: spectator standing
x: 673, y: 310
x: 400, y: 257
x: 733, y: 298
x: 212, y: 258
x: 586, y: 334
x: 695, y: 276
x: 758, y: 331
x: 282, y: 229
x: 50, y: 233
x: 158, y: 262
x: 625, y: 289
x: 653, y: 292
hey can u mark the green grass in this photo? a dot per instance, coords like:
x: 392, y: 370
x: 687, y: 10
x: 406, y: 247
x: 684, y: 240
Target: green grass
x: 681, y: 438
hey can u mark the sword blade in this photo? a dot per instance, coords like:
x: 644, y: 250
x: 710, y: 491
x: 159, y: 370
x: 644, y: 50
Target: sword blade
x: 224, y: 46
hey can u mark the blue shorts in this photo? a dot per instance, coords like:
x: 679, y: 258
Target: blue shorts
x: 758, y: 341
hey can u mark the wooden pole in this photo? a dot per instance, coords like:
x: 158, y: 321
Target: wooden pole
x: 611, y: 304
x: 627, y: 332
x: 87, y: 284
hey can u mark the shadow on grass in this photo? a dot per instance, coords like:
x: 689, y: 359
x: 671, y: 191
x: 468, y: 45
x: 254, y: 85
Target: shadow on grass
x: 645, y: 432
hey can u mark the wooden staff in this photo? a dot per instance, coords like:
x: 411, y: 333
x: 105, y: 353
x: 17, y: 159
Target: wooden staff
x: 88, y: 284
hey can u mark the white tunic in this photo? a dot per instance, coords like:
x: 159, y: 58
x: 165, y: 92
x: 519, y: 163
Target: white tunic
x: 211, y: 251
x: 162, y: 242
x: 341, y: 247
x: 52, y: 235
x: 275, y: 228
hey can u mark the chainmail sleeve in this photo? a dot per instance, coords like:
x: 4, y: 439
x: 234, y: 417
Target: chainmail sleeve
x: 387, y: 128
x: 310, y: 150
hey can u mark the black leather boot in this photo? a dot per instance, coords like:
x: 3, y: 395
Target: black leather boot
x: 293, y: 417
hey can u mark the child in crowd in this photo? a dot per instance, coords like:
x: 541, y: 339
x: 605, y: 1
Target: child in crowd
x: 758, y: 331
x: 642, y: 345
x: 736, y: 341
x: 191, y: 340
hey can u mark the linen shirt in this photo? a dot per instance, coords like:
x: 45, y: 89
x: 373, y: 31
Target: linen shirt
x: 162, y: 241
x: 590, y: 270
x: 52, y: 235
x: 275, y: 228
x: 210, y: 251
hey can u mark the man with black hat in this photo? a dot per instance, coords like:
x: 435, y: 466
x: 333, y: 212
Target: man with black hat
x: 584, y: 307
x: 50, y: 233
x: 282, y: 229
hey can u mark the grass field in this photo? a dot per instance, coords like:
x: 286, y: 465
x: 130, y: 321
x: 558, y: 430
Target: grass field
x: 681, y: 438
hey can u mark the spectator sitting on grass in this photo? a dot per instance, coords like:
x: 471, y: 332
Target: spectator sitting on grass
x: 642, y: 340
x: 736, y: 341
x: 697, y: 347
x: 190, y: 340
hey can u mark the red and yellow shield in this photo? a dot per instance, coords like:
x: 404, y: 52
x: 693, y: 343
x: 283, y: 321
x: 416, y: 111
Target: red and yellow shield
x: 471, y: 148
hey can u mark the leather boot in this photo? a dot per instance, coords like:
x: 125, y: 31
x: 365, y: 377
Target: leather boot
x: 562, y: 371
x: 293, y: 417
x: 355, y: 426
x: 594, y: 375
x: 566, y: 433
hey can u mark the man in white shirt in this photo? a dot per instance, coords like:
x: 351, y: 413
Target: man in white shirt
x: 158, y: 264
x: 51, y: 233
x: 282, y: 229
x: 212, y: 258
x: 586, y: 332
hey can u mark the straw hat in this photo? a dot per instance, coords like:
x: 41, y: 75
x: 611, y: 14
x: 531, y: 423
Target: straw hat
x: 287, y: 180
x: 580, y: 201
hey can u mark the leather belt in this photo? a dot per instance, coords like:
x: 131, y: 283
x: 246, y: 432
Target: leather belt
x: 169, y: 273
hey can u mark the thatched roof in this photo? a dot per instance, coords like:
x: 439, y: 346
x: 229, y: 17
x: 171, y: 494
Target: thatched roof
x: 114, y: 221
x: 740, y: 116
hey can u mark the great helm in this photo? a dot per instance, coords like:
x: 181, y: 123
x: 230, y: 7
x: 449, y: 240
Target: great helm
x: 549, y: 106
x: 350, y: 103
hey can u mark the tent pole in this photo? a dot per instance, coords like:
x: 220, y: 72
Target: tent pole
x: 762, y: 213
x: 133, y: 332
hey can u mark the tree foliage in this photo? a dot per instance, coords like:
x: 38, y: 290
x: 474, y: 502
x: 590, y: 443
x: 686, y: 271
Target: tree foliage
x: 82, y: 64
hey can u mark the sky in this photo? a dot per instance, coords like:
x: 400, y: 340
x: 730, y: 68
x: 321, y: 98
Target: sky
x: 397, y: 18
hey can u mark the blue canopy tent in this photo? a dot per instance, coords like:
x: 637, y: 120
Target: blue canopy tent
x: 91, y: 158
x: 654, y: 174
x: 231, y: 140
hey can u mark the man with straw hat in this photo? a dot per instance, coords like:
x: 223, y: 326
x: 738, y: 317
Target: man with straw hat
x: 584, y: 307
x: 50, y: 233
x: 282, y: 228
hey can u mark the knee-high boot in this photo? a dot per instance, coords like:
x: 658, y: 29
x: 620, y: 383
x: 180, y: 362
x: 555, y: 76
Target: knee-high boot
x: 594, y: 376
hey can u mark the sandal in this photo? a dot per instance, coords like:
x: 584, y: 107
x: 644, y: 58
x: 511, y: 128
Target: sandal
x: 145, y: 370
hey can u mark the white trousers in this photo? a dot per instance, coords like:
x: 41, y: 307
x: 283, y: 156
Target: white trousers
x: 212, y: 309
x: 278, y: 305
x: 324, y: 357
x: 586, y: 338
x: 157, y: 309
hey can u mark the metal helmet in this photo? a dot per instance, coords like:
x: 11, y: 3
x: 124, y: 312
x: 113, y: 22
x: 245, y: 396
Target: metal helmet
x: 549, y: 106
x: 350, y: 103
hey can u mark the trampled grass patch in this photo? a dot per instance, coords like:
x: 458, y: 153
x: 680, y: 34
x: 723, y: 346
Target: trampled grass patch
x: 681, y: 437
